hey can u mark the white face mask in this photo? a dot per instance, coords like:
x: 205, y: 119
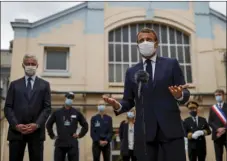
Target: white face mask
x: 30, y: 70
x: 147, y: 48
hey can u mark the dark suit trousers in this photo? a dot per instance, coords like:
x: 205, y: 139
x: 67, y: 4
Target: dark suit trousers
x: 97, y: 149
x: 163, y: 149
x: 17, y: 148
x: 196, y: 153
x: 219, y: 147
x: 129, y: 157
x: 72, y: 153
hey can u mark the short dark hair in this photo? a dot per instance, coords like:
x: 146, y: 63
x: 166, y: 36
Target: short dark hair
x: 220, y: 91
x: 148, y: 30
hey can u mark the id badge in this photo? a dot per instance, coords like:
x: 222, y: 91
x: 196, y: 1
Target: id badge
x: 67, y: 123
x: 97, y: 124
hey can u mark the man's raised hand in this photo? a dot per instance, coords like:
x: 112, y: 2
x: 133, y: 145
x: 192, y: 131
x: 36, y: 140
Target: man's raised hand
x: 111, y: 101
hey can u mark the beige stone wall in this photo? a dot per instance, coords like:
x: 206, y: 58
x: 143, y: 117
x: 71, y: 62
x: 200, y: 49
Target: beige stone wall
x: 87, y: 50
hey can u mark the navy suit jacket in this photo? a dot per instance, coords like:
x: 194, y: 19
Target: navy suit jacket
x: 160, y: 107
x: 123, y: 134
x: 105, y: 129
x: 19, y: 109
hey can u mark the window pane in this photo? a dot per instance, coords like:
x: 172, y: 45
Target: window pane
x: 125, y: 34
x: 165, y: 51
x: 133, y: 33
x: 180, y: 54
x: 156, y: 29
x: 187, y: 54
x: 111, y: 33
x: 125, y: 53
x: 149, y: 25
x: 186, y: 39
x: 118, y: 72
x: 111, y: 52
x: 111, y: 73
x: 56, y: 60
x: 118, y: 35
x: 173, y: 51
x: 164, y: 34
x: 140, y: 26
x: 118, y: 52
x: 189, y: 74
x: 134, y: 53
x: 171, y: 35
x: 158, y: 51
x: 126, y: 66
x: 182, y: 69
x: 179, y: 37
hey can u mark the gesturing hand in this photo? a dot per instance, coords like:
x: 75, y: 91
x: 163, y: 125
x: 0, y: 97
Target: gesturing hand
x: 112, y: 102
x: 176, y: 91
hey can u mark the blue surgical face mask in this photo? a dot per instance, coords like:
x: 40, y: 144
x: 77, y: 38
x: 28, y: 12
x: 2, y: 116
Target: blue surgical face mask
x: 68, y: 102
x: 101, y: 108
x: 218, y: 98
x: 130, y: 114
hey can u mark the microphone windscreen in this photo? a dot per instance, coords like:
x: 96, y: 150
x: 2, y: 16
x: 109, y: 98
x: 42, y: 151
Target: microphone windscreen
x: 141, y: 76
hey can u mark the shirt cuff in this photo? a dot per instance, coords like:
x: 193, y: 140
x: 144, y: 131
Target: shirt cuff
x: 119, y: 108
x: 182, y: 97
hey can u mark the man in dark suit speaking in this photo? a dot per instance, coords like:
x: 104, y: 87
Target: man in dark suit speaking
x: 27, y: 107
x: 158, y: 122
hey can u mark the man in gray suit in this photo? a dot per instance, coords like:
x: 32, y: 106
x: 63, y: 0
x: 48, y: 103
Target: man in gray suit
x: 27, y: 107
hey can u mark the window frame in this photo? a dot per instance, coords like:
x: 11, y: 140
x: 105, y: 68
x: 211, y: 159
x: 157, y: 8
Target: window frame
x: 64, y: 49
x: 182, y: 44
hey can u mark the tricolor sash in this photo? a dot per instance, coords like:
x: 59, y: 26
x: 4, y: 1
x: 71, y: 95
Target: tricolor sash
x: 220, y: 114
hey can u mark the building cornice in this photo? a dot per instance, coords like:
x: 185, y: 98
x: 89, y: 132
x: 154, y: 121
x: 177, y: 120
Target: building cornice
x: 28, y: 25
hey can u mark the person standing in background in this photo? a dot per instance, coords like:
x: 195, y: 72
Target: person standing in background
x: 196, y: 128
x: 66, y: 140
x: 126, y: 133
x: 27, y: 107
x: 101, y: 134
x: 217, y: 121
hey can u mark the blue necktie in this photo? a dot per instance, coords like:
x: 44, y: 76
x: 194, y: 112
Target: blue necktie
x: 149, y: 69
x: 29, y: 87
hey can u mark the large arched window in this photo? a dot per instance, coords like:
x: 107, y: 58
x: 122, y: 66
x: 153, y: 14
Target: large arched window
x: 123, y: 51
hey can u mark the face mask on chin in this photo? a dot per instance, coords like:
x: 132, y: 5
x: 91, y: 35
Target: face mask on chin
x: 30, y: 70
x: 147, y: 49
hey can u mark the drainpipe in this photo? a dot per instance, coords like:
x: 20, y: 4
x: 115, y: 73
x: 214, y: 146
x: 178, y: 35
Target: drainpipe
x: 1, y: 133
x: 225, y: 63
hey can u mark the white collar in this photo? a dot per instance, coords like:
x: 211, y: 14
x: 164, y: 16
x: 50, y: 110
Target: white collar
x: 153, y: 59
x: 33, y: 77
x: 195, y: 117
x: 222, y: 103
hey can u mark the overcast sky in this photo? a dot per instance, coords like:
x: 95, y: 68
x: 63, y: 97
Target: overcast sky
x: 34, y: 11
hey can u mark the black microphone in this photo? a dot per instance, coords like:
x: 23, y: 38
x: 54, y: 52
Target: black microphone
x: 141, y: 77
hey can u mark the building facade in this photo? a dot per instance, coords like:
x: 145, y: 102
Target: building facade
x: 87, y: 49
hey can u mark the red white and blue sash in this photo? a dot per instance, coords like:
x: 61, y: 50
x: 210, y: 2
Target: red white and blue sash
x: 220, y: 114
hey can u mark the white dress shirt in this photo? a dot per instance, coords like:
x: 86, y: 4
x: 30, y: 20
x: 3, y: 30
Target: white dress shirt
x: 130, y: 136
x: 32, y: 80
x: 153, y: 63
x: 220, y: 105
x: 195, y: 119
